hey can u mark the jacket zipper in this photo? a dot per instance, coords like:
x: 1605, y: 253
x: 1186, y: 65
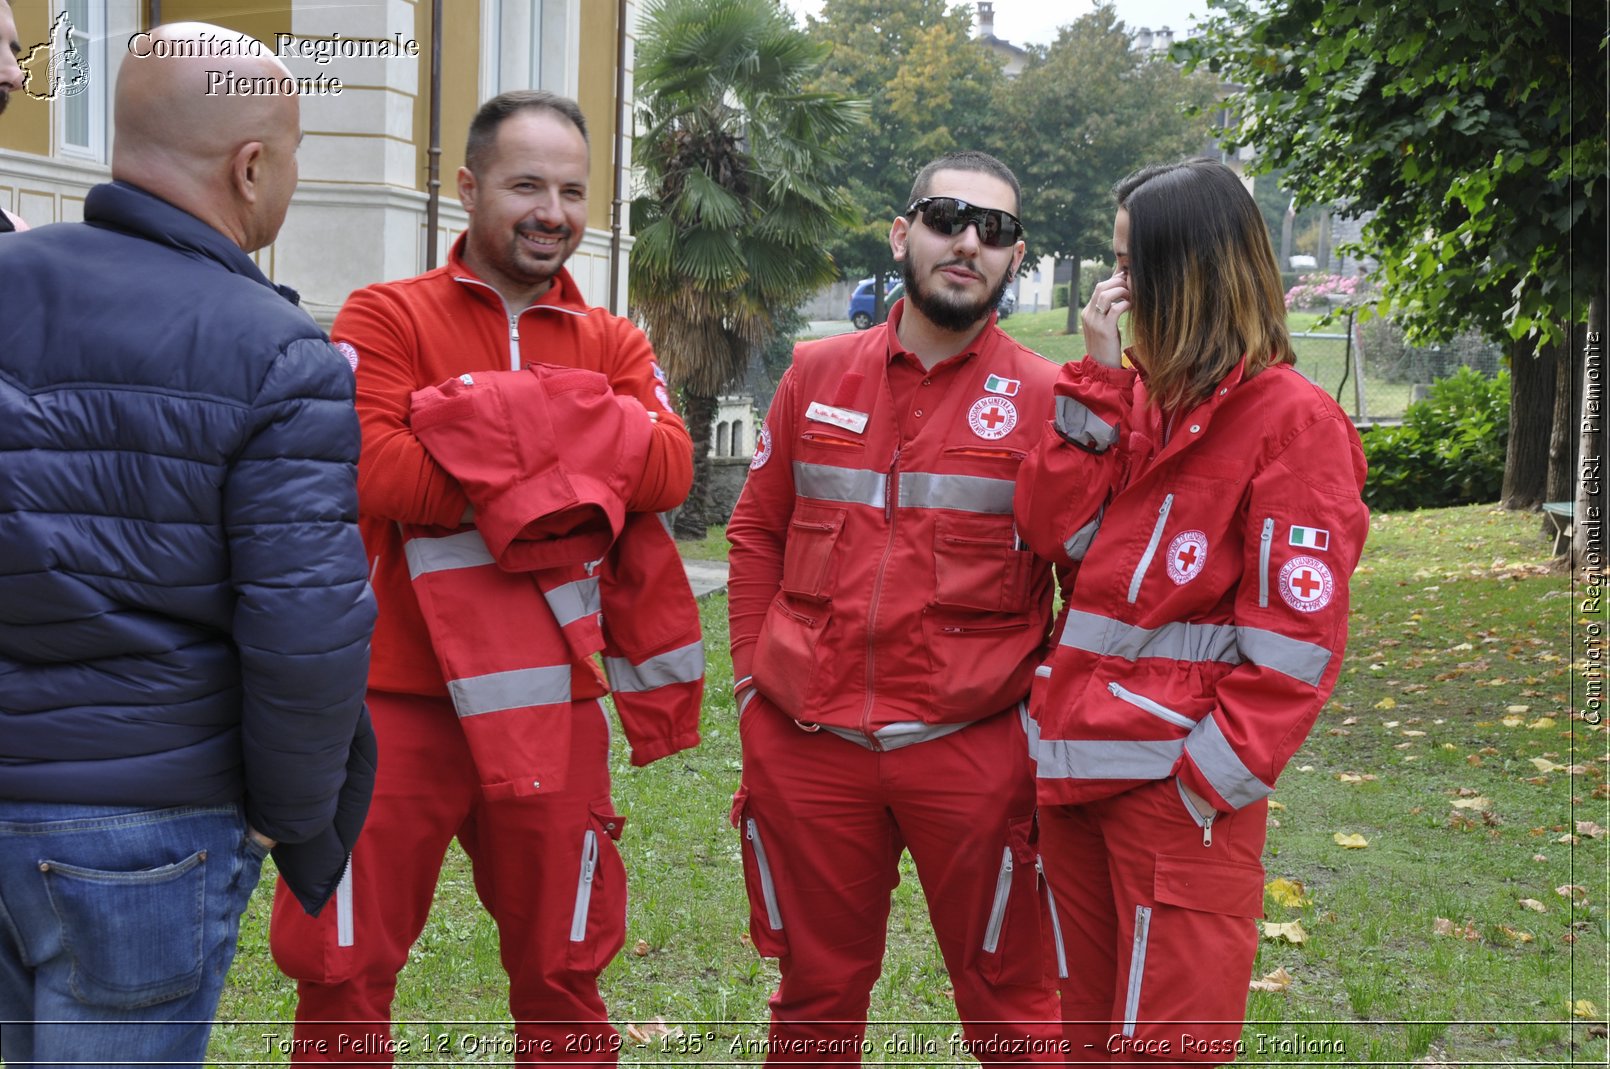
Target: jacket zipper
x: 1205, y: 823
x: 890, y: 491
x: 514, y: 320
x: 1137, y: 968
x: 1151, y: 549
x: 997, y: 911
x: 1056, y: 922
x: 343, y: 906
x: 1264, y: 544
x: 768, y: 890
x: 1140, y: 701
x: 584, y: 886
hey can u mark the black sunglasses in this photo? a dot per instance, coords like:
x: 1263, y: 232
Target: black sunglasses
x: 951, y: 215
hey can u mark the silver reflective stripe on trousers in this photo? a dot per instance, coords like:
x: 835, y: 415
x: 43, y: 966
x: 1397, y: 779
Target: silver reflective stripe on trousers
x: 1056, y: 922
x: 466, y: 549
x: 1227, y: 643
x: 852, y: 486
x: 573, y: 601
x: 1077, y: 423
x: 964, y: 493
x: 682, y: 665
x: 343, y: 908
x: 997, y: 909
x: 496, y: 691
x: 1214, y: 758
x: 584, y: 886
x: 1137, y: 968
x: 768, y: 889
x: 1151, y: 549
x: 896, y: 736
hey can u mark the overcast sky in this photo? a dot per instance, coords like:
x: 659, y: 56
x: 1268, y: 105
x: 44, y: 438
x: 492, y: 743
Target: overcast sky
x: 1026, y: 22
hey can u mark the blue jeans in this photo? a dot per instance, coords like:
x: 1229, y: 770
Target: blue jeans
x: 117, y: 926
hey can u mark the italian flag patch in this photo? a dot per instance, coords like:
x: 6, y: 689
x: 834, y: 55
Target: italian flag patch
x: 1310, y: 537
x: 1004, y: 387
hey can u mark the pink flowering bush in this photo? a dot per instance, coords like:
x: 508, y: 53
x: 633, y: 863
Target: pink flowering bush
x: 1322, y: 291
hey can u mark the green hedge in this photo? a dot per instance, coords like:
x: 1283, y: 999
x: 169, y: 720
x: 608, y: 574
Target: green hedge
x: 1449, y: 449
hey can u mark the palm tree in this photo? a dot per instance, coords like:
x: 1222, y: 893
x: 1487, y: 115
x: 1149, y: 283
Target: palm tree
x: 737, y: 210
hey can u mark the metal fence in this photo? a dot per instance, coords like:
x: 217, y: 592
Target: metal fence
x: 1374, y: 373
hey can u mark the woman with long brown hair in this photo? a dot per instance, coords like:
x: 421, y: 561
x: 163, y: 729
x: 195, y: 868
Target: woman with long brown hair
x: 1208, y: 497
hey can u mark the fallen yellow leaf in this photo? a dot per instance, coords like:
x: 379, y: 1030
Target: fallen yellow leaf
x: 1275, y: 805
x: 1574, y: 892
x: 1513, y: 935
x: 1351, y: 841
x: 1350, y: 777
x: 1444, y: 926
x: 647, y: 1032
x: 1287, y: 892
x: 1513, y: 721
x: 1477, y: 802
x: 1583, y: 1007
x: 1414, y: 734
x: 1589, y: 830
x: 1518, y: 709
x: 1291, y: 931
x: 1542, y: 723
x: 1276, y: 981
x: 1387, y: 703
x: 1534, y: 905
x: 1543, y: 764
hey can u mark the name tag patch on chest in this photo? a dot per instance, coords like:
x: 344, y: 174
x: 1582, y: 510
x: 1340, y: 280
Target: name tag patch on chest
x: 847, y: 418
x: 992, y: 417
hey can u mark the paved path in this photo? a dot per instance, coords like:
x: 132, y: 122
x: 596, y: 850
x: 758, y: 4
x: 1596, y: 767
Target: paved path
x: 706, y: 576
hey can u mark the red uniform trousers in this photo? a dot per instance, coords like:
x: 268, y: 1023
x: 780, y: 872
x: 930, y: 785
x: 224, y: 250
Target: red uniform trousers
x: 824, y: 821
x: 545, y: 867
x: 1159, y: 928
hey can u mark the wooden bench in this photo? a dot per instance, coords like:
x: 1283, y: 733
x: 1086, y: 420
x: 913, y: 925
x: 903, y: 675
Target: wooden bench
x: 1560, y: 514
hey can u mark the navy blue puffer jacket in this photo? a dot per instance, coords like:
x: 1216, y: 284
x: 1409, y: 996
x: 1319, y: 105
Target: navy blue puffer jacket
x: 184, y: 604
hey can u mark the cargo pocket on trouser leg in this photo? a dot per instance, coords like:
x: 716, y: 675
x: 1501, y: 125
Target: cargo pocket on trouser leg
x: 135, y: 938
x: 1191, y: 958
x: 1010, y: 951
x: 765, y: 916
x: 318, y: 950
x: 598, y: 918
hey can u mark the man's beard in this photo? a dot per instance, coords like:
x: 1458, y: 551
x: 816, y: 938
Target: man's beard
x: 945, y: 313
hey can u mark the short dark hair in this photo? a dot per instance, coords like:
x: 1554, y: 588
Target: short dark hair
x: 967, y: 160
x: 484, y: 127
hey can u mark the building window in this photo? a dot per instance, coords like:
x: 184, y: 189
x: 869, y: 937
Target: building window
x: 78, y: 67
x: 529, y: 44
x: 737, y: 449
x: 721, y: 439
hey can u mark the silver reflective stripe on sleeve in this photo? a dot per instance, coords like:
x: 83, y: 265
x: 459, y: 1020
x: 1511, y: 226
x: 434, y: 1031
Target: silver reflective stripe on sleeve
x: 964, y: 493
x: 1137, y: 968
x: 682, y: 665
x: 496, y: 691
x: 1302, y: 661
x: 1214, y: 758
x: 573, y: 601
x: 466, y: 549
x: 1078, y: 543
x: 1077, y: 423
x: 853, y: 486
x: 1106, y: 759
x: 1105, y: 636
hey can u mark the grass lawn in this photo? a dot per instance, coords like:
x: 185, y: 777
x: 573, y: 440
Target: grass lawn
x: 1471, y: 929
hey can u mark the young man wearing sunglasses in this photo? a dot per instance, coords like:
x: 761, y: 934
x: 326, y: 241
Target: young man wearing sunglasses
x: 885, y: 624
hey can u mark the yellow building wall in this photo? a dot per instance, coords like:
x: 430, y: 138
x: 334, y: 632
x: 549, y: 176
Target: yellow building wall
x: 596, y: 94
x: 25, y: 127
x: 261, y: 19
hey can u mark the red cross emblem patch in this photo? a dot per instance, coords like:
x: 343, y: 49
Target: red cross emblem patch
x: 1306, y: 584
x: 1187, y: 556
x: 992, y: 417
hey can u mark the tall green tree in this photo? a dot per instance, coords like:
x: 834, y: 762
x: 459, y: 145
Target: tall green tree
x: 1475, y: 140
x: 1087, y: 110
x: 932, y: 90
x: 736, y: 154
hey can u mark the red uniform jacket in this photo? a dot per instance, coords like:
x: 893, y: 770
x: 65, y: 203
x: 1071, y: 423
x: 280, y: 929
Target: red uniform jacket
x: 876, y: 583
x: 416, y: 332
x: 553, y: 571
x: 1208, y: 615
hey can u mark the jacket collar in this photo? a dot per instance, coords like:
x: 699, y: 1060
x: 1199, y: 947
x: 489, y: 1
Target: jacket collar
x: 564, y: 294
x: 126, y: 207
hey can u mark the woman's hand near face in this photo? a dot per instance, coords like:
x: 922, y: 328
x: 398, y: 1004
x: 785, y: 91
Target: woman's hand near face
x: 1108, y: 301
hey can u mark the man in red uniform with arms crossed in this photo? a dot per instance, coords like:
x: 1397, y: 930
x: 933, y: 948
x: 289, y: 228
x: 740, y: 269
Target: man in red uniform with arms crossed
x: 545, y: 865
x: 885, y: 625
